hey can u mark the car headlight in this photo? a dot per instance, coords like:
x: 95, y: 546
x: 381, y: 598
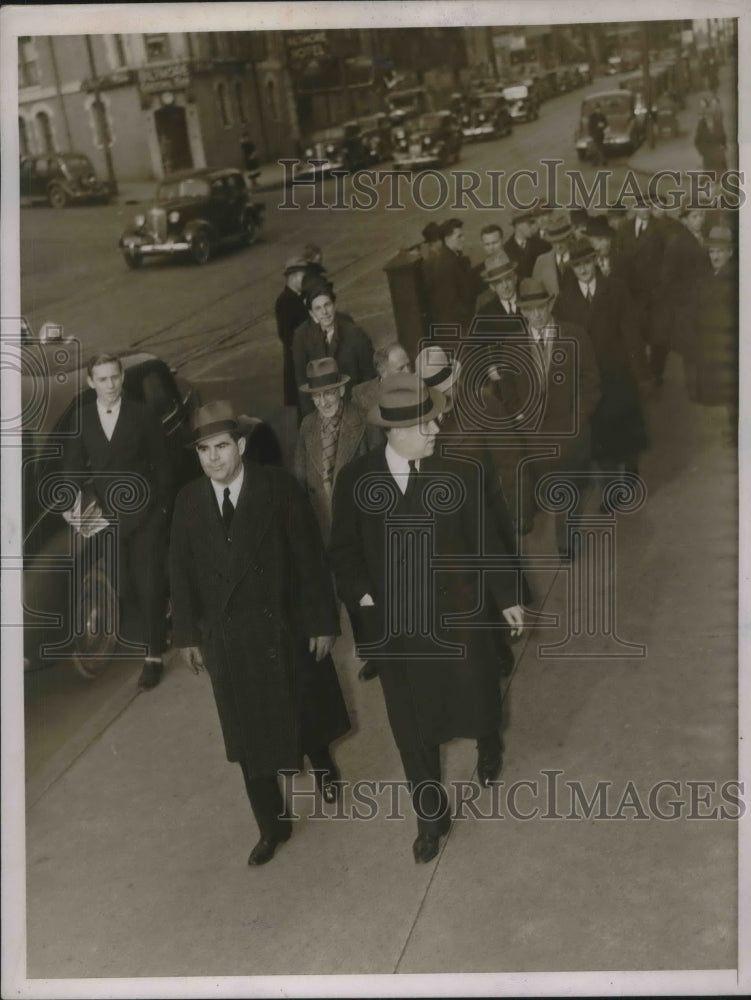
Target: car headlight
x: 308, y: 152
x: 329, y: 150
x: 140, y: 220
x: 427, y: 141
x: 403, y: 143
x: 481, y: 118
x: 174, y: 217
x: 465, y: 119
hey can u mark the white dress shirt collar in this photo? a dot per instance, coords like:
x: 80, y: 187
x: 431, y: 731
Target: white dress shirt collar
x: 234, y: 488
x: 399, y: 467
x: 588, y: 287
x: 108, y: 417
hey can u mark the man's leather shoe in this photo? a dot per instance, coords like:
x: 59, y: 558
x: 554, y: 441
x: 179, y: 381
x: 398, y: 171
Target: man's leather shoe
x: 264, y: 850
x: 151, y: 674
x: 489, y: 767
x: 425, y: 848
x: 368, y: 671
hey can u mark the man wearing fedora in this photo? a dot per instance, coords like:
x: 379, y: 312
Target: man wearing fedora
x: 640, y: 243
x: 525, y: 244
x: 554, y: 396
x: 718, y: 347
x: 430, y: 698
x: 449, y: 283
x: 253, y: 604
x: 388, y: 359
x: 329, y: 438
x: 603, y: 307
x: 501, y: 276
x: 551, y: 268
x: 290, y: 312
x: 329, y: 333
x: 601, y: 235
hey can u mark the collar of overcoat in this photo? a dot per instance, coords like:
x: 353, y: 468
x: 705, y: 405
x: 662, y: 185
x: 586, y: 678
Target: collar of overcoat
x: 250, y: 523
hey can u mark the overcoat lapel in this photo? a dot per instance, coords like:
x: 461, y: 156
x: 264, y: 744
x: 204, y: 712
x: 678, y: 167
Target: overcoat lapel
x: 250, y: 523
x: 211, y: 527
x: 314, y: 445
x: 350, y: 433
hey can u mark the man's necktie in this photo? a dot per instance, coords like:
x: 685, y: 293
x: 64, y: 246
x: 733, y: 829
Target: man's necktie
x: 228, y: 509
x: 411, y: 480
x: 589, y: 293
x: 329, y: 439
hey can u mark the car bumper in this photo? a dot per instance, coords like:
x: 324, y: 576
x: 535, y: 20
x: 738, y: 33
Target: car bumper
x: 145, y: 246
x: 320, y: 170
x: 410, y: 161
x: 478, y: 131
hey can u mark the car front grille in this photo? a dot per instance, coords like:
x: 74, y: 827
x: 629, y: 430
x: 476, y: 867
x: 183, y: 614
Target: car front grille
x: 156, y: 220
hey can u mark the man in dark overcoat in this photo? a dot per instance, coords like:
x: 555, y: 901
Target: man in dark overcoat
x: 603, y: 307
x: 525, y: 245
x: 718, y: 345
x: 253, y: 601
x: 430, y: 699
x: 449, y: 281
x: 640, y: 242
x: 327, y: 332
x: 122, y: 436
x: 290, y: 311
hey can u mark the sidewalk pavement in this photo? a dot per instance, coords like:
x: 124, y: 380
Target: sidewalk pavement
x: 136, y: 853
x: 272, y: 178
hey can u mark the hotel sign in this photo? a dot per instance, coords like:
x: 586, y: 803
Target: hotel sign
x: 168, y: 76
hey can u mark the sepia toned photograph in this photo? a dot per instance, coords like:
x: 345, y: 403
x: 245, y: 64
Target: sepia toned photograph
x: 371, y: 461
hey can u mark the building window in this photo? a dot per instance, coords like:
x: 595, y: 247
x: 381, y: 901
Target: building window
x: 28, y: 62
x: 44, y: 128
x: 242, y: 111
x: 271, y: 99
x: 217, y: 44
x: 221, y: 100
x: 118, y: 49
x: 156, y: 47
x: 23, y: 137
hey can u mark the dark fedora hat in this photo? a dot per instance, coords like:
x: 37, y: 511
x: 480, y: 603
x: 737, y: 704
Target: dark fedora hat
x: 527, y: 215
x: 599, y: 226
x: 579, y: 251
x: 323, y: 373
x: 496, y: 267
x: 532, y: 292
x: 404, y: 400
x: 295, y: 264
x: 214, y: 418
x: 559, y: 228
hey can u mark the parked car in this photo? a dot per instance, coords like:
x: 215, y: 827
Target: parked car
x: 408, y: 103
x: 489, y: 118
x: 625, y: 130
x: 583, y: 72
x: 376, y: 136
x: 614, y: 65
x: 62, y: 179
x: 432, y: 140
x: 522, y: 105
x: 53, y: 388
x: 340, y: 147
x: 194, y: 213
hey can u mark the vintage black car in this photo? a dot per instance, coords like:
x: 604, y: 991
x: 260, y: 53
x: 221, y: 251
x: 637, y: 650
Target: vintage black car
x: 340, y: 147
x: 626, y: 127
x: 195, y: 212
x: 62, y: 179
x: 523, y: 107
x: 487, y: 118
x: 432, y: 140
x: 376, y: 135
x: 53, y: 388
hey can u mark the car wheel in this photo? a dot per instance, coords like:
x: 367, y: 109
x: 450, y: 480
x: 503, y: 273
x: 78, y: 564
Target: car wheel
x: 250, y: 230
x: 200, y: 248
x: 93, y: 649
x: 133, y: 260
x: 57, y: 196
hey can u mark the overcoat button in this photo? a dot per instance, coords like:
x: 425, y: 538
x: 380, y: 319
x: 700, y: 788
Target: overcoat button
x: 271, y: 653
x: 268, y: 613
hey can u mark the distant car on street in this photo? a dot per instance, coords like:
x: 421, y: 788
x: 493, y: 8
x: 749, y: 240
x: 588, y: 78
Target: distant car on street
x: 522, y: 105
x: 62, y: 179
x: 432, y: 140
x: 487, y: 118
x: 340, y: 147
x: 195, y: 212
x: 625, y: 130
x: 53, y: 389
x: 376, y: 136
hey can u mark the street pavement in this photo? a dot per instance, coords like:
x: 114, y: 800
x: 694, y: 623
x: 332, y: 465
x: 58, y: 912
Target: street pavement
x: 138, y: 830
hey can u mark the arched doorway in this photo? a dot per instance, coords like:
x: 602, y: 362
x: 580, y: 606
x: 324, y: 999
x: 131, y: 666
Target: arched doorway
x: 23, y: 137
x: 172, y: 135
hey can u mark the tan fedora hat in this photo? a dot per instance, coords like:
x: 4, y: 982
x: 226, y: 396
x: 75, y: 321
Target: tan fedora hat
x: 436, y: 369
x: 296, y: 264
x: 213, y: 418
x: 532, y: 292
x: 496, y: 267
x: 323, y: 373
x: 719, y: 236
x: 404, y: 400
x: 581, y: 250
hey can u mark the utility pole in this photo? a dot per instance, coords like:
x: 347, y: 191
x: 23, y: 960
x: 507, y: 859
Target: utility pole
x: 647, y: 82
x: 101, y: 116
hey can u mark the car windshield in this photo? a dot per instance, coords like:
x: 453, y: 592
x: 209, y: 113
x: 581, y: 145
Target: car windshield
x: 76, y: 164
x: 515, y: 93
x: 429, y: 122
x: 188, y: 187
x: 487, y: 102
x: 610, y: 104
